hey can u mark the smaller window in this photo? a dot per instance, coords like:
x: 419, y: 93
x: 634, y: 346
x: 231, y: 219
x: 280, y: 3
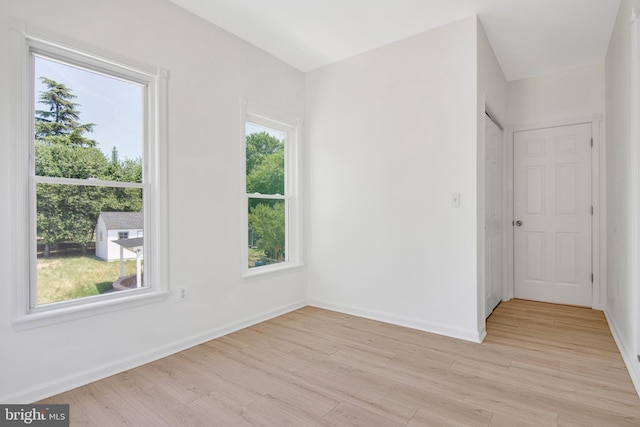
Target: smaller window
x: 101, y: 236
x: 123, y: 234
x: 271, y: 235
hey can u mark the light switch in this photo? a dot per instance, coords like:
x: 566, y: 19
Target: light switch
x: 455, y: 200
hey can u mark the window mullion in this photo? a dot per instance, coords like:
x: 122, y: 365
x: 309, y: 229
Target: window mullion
x: 88, y: 182
x: 267, y: 196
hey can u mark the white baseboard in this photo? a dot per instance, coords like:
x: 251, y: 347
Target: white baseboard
x: 629, y: 357
x: 82, y: 378
x: 464, y: 334
x: 482, y: 334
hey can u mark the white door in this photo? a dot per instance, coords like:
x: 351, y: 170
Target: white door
x: 493, y: 215
x: 552, y: 215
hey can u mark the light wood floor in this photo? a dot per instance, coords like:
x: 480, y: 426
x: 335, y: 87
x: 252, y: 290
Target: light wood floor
x: 540, y: 365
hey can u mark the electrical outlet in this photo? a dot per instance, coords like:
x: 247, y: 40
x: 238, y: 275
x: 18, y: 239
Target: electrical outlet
x: 455, y: 200
x: 182, y: 294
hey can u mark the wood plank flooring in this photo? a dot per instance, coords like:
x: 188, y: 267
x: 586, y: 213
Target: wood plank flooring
x: 540, y: 365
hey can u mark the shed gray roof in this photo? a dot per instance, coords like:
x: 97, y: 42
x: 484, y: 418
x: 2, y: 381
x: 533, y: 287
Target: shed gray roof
x: 123, y: 220
x: 130, y: 243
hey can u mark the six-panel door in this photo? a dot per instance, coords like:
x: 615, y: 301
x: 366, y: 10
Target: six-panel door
x: 552, y: 202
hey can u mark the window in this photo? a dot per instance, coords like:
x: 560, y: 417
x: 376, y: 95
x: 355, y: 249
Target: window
x: 91, y: 143
x: 271, y: 211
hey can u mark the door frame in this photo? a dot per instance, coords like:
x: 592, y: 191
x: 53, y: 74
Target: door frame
x: 598, y: 226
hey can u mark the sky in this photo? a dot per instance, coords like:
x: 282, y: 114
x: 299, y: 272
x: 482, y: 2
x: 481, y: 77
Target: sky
x: 254, y: 128
x: 114, y: 106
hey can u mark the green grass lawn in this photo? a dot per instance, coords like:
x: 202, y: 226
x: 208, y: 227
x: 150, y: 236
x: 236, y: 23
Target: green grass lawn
x: 70, y: 277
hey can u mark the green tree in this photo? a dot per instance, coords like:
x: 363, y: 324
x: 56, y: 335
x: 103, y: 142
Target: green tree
x: 68, y: 161
x: 59, y: 123
x: 267, y: 222
x: 123, y: 199
x: 67, y: 213
x: 267, y: 177
x: 126, y: 170
x: 259, y: 146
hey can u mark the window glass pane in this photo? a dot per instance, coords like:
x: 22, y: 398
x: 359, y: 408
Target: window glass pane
x: 266, y: 232
x: 265, y: 160
x: 70, y: 263
x: 87, y: 125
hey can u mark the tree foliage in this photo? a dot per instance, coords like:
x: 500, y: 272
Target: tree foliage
x: 67, y: 212
x: 267, y: 222
x: 69, y: 161
x: 259, y: 146
x: 267, y: 176
x: 59, y: 123
x: 123, y: 199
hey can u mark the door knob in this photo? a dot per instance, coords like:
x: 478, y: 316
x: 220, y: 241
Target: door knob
x: 519, y: 223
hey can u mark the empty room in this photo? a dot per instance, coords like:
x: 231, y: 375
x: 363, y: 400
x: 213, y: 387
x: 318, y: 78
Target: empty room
x: 293, y: 212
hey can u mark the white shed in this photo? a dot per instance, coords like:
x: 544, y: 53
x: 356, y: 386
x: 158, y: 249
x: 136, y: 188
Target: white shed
x: 113, y: 226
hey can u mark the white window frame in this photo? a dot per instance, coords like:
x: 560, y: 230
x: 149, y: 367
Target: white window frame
x: 25, y: 42
x: 266, y: 117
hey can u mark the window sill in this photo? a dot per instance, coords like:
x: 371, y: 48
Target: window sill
x: 257, y: 273
x: 65, y: 314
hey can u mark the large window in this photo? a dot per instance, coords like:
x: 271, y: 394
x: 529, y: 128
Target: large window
x: 91, y: 152
x: 271, y: 191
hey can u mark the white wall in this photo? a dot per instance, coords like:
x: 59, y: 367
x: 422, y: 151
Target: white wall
x: 492, y: 96
x: 492, y: 84
x: 566, y: 95
x: 622, y: 191
x: 209, y: 71
x: 391, y: 134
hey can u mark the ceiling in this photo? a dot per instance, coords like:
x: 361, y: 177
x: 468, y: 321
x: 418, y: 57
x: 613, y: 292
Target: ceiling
x: 529, y: 37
